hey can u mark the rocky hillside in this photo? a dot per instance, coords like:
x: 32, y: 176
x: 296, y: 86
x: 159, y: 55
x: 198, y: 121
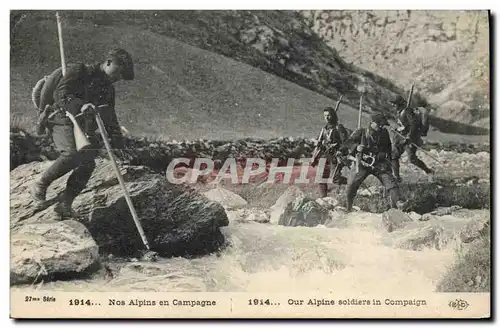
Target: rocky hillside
x: 216, y: 74
x: 445, y: 53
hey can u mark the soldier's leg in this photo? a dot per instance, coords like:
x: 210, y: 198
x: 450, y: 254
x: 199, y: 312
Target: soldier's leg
x: 68, y: 159
x: 323, y: 187
x: 390, y: 184
x: 354, y: 181
x: 397, y: 151
x: 411, y: 150
x: 77, y: 181
x: 337, y: 175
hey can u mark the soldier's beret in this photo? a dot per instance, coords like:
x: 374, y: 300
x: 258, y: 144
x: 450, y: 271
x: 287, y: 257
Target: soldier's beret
x: 124, y: 59
x: 380, y: 119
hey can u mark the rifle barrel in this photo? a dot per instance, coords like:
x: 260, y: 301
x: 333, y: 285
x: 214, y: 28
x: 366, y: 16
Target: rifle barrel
x: 61, y: 43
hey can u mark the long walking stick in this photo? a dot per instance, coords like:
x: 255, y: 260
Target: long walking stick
x: 358, y: 155
x: 105, y: 138
x: 423, y: 150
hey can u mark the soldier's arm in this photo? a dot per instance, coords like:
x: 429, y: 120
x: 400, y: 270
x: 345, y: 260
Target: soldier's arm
x: 110, y: 120
x: 353, y: 141
x: 405, y: 121
x: 414, y: 127
x: 343, y: 133
x: 69, y: 92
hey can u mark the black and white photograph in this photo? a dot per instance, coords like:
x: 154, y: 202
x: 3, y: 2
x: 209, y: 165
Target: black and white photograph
x: 250, y: 163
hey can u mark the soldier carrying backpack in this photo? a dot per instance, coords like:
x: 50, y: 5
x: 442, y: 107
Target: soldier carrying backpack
x: 81, y: 90
x: 413, y: 125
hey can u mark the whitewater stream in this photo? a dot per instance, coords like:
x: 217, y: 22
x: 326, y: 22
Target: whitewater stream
x: 269, y: 258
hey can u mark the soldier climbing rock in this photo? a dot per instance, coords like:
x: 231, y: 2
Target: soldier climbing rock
x: 81, y: 90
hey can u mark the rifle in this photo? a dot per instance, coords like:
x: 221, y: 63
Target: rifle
x: 81, y: 139
x: 408, y: 102
x: 338, y: 103
x: 319, y: 151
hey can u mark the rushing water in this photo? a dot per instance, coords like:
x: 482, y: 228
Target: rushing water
x: 270, y: 258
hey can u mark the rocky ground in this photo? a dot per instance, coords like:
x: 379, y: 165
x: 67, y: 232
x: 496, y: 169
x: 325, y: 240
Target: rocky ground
x: 191, y: 220
x: 157, y: 153
x: 176, y: 220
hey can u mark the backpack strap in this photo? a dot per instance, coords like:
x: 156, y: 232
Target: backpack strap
x: 37, y: 92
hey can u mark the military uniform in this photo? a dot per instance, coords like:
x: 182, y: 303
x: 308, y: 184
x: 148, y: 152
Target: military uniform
x: 332, y: 134
x: 82, y: 84
x: 376, y: 144
x: 413, y: 129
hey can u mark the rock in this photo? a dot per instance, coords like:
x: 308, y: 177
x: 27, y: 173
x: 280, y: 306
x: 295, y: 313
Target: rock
x: 394, y: 219
x: 176, y: 219
x: 419, y: 237
x: 289, y: 196
x: 415, y: 216
x: 328, y: 202
x: 475, y: 229
x: 258, y: 217
x: 303, y: 212
x: 483, y: 155
x: 248, y: 215
x: 356, y: 220
x: 51, y: 250
x: 159, y: 277
x: 445, y: 210
x: 370, y: 191
x: 228, y: 199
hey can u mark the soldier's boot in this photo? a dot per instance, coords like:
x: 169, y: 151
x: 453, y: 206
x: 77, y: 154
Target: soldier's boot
x: 64, y: 209
x: 350, y: 194
x: 396, y: 201
x: 38, y: 191
x: 323, y: 190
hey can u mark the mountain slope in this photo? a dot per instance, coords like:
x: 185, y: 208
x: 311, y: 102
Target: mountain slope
x: 182, y: 91
x: 445, y: 53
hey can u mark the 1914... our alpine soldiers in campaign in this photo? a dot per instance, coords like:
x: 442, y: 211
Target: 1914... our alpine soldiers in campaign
x: 81, y: 91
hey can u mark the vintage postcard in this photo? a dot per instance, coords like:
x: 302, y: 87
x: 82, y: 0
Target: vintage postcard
x: 250, y: 164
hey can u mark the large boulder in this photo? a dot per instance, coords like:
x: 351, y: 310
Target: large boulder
x: 475, y: 229
x: 419, y: 236
x: 176, y: 219
x: 304, y: 211
x: 394, y: 219
x: 228, y: 199
x: 328, y: 202
x: 288, y: 197
x: 51, y: 250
